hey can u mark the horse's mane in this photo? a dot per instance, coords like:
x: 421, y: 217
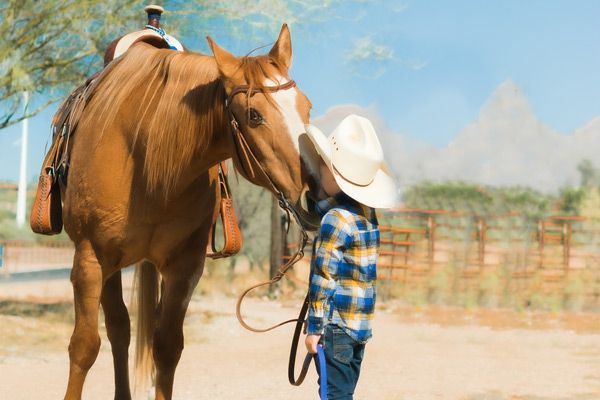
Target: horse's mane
x: 171, y: 103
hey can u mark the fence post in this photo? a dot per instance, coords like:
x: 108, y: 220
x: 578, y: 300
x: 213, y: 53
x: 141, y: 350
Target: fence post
x: 542, y: 234
x: 431, y: 250
x: 567, y: 232
x: 482, y: 237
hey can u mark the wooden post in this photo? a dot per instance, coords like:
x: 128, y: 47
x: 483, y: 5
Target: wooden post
x: 431, y: 250
x: 542, y: 234
x: 567, y: 233
x: 482, y: 238
x: 277, y: 241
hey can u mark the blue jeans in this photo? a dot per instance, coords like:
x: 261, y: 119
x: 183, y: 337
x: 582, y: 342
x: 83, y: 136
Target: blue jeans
x: 343, y: 356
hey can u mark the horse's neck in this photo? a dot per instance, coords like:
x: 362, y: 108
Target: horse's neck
x: 192, y: 134
x: 216, y: 129
x: 206, y: 103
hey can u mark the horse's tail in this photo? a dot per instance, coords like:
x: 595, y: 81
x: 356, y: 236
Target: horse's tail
x: 146, y: 280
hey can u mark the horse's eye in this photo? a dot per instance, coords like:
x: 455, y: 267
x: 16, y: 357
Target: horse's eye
x: 255, y: 118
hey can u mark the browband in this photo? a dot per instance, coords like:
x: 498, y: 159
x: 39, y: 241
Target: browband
x: 259, y: 89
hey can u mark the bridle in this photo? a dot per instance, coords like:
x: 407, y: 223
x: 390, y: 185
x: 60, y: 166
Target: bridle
x: 244, y: 152
x: 246, y: 159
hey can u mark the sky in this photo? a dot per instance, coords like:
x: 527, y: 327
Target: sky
x: 426, y: 67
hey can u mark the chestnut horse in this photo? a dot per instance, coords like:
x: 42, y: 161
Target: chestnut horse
x: 143, y: 188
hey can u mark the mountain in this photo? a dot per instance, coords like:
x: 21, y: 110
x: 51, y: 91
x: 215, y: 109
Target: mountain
x: 506, y: 145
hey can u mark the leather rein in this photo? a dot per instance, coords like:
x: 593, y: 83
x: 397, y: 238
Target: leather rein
x: 247, y: 159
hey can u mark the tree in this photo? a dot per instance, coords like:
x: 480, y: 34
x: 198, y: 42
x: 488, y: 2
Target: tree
x: 570, y: 200
x: 48, y: 48
x: 590, y: 204
x: 588, y: 173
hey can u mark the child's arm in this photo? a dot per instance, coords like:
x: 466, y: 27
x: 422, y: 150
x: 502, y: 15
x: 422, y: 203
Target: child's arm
x: 334, y: 236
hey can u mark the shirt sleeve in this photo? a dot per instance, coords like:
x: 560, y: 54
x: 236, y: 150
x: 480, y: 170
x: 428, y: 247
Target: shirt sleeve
x: 335, y: 236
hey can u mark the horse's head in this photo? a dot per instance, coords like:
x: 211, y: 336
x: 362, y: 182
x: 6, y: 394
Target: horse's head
x: 271, y: 113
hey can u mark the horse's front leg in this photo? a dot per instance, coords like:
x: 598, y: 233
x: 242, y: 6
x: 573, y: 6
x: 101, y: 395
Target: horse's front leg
x: 180, y: 277
x: 86, y: 277
x: 118, y: 329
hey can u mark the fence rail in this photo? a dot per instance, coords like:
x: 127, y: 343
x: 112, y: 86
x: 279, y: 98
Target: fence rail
x: 499, y: 257
x: 446, y: 256
x: 25, y: 256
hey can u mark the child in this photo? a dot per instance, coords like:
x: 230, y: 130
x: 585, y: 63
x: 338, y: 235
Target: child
x: 355, y: 180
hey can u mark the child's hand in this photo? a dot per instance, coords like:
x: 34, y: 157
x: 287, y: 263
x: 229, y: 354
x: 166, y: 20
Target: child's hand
x: 311, y: 343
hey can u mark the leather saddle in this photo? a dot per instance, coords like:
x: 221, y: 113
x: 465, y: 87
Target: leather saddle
x: 46, y: 213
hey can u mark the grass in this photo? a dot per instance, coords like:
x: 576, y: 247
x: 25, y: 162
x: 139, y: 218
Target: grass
x: 50, y: 312
x: 26, y: 328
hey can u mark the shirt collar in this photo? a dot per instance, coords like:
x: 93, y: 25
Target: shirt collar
x: 339, y: 200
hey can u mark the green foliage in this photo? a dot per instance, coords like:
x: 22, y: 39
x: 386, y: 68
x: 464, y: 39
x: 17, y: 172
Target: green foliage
x: 477, y: 199
x: 590, y: 204
x: 589, y: 174
x: 570, y: 200
x: 49, y: 47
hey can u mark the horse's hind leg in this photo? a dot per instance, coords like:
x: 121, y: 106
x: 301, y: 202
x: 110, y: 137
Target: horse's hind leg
x: 180, y: 277
x: 86, y: 277
x: 117, y: 323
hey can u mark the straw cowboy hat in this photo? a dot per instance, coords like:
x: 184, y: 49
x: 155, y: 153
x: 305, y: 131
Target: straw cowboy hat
x: 355, y: 157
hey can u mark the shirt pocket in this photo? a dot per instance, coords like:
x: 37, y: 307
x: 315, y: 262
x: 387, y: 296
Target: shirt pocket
x: 364, y: 254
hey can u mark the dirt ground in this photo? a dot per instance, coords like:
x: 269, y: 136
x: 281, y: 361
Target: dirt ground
x: 430, y: 353
x: 416, y: 353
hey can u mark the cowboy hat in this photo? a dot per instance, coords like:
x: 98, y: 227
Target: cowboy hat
x: 354, y: 156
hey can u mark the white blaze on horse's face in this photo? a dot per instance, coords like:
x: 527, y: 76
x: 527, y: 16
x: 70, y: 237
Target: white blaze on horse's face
x: 286, y: 100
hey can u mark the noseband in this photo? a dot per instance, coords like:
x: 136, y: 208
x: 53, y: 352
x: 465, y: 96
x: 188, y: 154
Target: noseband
x: 246, y: 159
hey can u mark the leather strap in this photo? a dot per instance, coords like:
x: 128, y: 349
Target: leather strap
x: 258, y: 89
x: 248, y: 162
x: 294, y: 349
x: 231, y: 230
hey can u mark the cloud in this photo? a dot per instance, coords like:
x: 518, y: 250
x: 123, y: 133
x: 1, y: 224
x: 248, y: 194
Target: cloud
x: 506, y: 145
x: 366, y: 49
x: 415, y: 64
x: 370, y: 59
x: 398, y: 7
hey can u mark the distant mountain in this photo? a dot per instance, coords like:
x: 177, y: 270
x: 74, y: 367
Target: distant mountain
x: 507, y: 145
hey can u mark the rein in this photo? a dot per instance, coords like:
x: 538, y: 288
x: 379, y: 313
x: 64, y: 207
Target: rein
x: 247, y: 158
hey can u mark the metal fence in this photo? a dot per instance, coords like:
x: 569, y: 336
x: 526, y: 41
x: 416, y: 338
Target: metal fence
x: 505, y: 258
x: 18, y: 256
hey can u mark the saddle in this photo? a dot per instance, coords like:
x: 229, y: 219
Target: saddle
x: 46, y: 213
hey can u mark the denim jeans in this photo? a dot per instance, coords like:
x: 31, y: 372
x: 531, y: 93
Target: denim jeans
x: 343, y: 356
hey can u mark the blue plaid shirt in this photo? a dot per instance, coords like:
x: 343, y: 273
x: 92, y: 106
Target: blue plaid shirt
x: 343, y: 268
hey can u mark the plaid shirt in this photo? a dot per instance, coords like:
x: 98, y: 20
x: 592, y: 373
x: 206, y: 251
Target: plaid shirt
x: 343, y: 268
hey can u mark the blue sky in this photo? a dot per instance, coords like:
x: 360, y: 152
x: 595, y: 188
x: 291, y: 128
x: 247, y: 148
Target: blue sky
x: 426, y: 66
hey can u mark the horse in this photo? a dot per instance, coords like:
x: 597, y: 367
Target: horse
x: 143, y: 188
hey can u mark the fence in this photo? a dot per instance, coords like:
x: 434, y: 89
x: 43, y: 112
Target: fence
x: 500, y: 259
x: 25, y: 256
x: 446, y: 257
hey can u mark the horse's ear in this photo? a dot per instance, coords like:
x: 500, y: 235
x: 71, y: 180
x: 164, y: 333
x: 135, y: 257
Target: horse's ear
x: 282, y: 49
x: 226, y: 61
